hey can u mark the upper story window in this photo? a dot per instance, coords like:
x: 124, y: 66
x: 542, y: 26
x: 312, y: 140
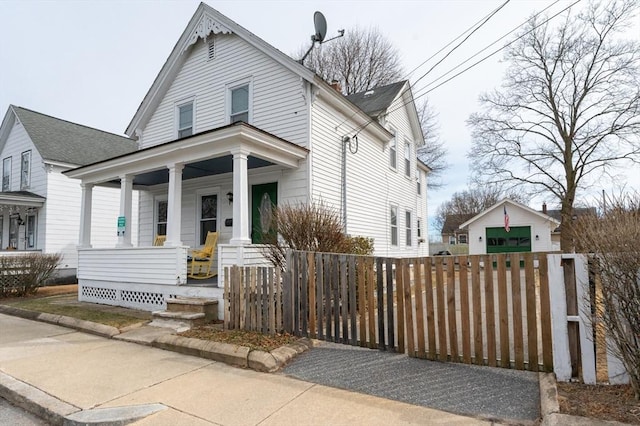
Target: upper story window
x: 6, y: 174
x: 393, y: 154
x: 394, y: 225
x: 409, y: 230
x: 239, y: 110
x: 462, y: 238
x: 407, y: 159
x: 25, y: 170
x: 185, y: 120
x: 418, y: 182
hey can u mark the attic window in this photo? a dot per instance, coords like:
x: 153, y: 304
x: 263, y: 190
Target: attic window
x: 211, y: 48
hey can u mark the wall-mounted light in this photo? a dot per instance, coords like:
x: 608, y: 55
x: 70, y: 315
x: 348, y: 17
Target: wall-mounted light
x: 537, y: 237
x: 230, y: 197
x: 480, y: 239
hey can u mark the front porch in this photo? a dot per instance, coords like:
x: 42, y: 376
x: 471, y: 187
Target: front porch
x: 175, y: 179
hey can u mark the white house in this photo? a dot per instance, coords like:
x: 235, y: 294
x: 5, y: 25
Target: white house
x: 39, y: 206
x: 507, y: 227
x: 230, y: 125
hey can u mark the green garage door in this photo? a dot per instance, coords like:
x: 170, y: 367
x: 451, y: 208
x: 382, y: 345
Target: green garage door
x: 518, y: 239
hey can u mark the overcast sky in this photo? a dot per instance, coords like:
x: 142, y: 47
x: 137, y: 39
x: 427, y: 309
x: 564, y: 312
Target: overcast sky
x: 92, y: 62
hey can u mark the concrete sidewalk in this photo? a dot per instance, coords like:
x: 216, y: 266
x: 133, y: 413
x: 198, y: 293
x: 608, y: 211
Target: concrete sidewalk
x: 81, y: 379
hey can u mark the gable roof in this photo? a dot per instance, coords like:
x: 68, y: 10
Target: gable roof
x: 376, y: 101
x: 205, y: 21
x: 66, y: 142
x: 577, y: 211
x: 504, y: 202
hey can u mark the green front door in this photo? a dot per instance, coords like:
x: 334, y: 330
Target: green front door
x: 264, y: 198
x: 518, y: 239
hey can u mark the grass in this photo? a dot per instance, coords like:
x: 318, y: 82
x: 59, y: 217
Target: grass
x: 56, y: 305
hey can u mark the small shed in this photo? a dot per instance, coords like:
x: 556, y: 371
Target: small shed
x: 508, y: 227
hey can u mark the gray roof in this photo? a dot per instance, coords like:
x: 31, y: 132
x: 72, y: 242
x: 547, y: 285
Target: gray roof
x: 376, y: 101
x: 67, y: 142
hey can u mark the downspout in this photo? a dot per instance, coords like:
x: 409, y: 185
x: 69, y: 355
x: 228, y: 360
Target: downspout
x: 345, y: 140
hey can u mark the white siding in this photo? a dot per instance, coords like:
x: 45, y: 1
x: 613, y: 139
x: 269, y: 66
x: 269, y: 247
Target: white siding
x: 372, y: 186
x: 278, y: 104
x: 62, y: 216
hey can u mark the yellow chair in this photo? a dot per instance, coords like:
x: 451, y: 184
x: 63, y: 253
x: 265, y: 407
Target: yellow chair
x: 202, y: 259
x: 159, y: 241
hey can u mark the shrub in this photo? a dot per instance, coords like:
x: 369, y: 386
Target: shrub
x: 310, y: 227
x: 21, y: 275
x: 614, y: 239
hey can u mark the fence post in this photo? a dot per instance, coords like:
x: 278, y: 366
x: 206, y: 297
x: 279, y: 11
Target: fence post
x: 559, y: 331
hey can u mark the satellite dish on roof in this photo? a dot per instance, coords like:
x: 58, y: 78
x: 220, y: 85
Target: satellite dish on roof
x: 321, y: 27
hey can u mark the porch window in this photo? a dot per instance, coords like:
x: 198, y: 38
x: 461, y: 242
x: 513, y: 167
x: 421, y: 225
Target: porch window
x: 185, y: 120
x: 239, y: 104
x: 25, y: 170
x: 407, y: 159
x: 14, y: 227
x: 393, y: 155
x: 6, y: 174
x: 208, y: 215
x: 31, y: 231
x: 394, y: 225
x: 161, y: 217
x: 408, y: 230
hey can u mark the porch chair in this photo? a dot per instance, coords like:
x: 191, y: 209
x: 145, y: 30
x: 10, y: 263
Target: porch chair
x: 202, y: 259
x: 159, y: 240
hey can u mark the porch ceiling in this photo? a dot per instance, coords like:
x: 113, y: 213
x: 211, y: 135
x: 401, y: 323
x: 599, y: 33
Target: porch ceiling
x: 202, y: 154
x: 21, y: 198
x: 212, y: 166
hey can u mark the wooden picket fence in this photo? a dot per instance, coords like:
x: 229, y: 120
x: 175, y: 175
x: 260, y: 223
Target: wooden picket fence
x: 486, y: 310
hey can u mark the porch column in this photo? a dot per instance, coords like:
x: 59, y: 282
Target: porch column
x: 126, y: 194
x: 174, y: 206
x: 240, y: 234
x: 84, y: 240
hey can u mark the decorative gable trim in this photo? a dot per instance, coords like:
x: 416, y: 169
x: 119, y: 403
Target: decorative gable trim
x: 205, y: 26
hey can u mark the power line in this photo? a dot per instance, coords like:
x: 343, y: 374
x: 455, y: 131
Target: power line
x: 472, y: 29
x: 362, y: 127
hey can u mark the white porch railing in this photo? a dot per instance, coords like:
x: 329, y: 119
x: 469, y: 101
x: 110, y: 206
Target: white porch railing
x: 137, y: 277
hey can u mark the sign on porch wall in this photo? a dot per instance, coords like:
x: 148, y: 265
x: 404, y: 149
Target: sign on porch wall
x: 122, y: 223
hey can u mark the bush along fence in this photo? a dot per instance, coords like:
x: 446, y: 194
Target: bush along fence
x: 505, y: 310
x: 22, y: 274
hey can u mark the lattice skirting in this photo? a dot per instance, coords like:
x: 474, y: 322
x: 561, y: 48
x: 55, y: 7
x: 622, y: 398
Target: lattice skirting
x: 146, y: 297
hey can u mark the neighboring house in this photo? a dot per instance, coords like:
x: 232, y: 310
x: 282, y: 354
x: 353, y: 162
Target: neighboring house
x: 39, y: 206
x: 230, y: 127
x: 509, y: 226
x: 578, y: 212
x: 451, y: 232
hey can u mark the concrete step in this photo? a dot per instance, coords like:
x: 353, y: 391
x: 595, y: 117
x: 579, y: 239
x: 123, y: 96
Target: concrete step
x: 196, y: 305
x: 179, y: 321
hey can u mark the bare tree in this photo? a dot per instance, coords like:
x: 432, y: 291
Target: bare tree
x: 472, y: 201
x: 568, y: 112
x: 361, y: 60
x: 433, y: 153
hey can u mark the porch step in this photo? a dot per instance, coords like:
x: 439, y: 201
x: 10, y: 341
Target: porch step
x: 184, y: 313
x: 209, y: 307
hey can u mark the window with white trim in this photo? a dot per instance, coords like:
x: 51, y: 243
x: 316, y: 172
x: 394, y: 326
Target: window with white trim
x: 185, y: 120
x: 239, y: 107
x: 31, y: 231
x: 419, y: 228
x: 6, y: 174
x: 418, y: 182
x: 208, y: 215
x: 393, y: 154
x: 408, y: 230
x: 394, y: 225
x: 1, y: 231
x: 161, y: 217
x: 25, y: 170
x: 407, y: 159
